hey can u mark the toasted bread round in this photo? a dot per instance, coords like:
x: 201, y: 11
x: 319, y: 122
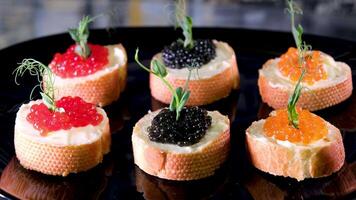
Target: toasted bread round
x: 173, y: 162
x: 275, y: 90
x: 60, y: 152
x: 211, y: 82
x: 283, y: 158
x: 100, y: 88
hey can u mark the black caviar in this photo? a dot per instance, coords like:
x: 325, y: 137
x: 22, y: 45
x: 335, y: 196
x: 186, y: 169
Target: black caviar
x: 187, y: 130
x: 177, y: 57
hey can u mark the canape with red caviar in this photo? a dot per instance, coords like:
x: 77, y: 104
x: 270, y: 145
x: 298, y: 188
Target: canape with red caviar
x: 62, y: 136
x: 93, y: 72
x: 326, y: 82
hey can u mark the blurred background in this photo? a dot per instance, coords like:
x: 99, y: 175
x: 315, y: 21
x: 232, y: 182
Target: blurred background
x: 21, y: 20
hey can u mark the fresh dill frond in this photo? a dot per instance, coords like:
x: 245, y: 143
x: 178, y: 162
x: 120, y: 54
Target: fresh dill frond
x: 45, y: 79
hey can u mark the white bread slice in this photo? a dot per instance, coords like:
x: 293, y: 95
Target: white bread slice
x: 60, y: 152
x: 102, y: 87
x: 173, y: 162
x: 317, y: 159
x: 211, y: 82
x: 275, y: 89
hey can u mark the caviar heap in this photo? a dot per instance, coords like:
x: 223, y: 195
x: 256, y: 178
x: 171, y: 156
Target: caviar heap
x: 73, y: 112
x: 187, y: 130
x: 289, y: 66
x: 176, y: 56
x: 70, y: 64
x: 311, y: 127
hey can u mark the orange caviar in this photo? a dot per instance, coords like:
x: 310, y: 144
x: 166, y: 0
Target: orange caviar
x: 311, y: 127
x: 289, y: 66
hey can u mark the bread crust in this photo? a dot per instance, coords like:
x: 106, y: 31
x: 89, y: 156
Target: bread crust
x: 203, y: 91
x: 60, y: 160
x: 315, y: 99
x: 101, y: 90
x: 180, y: 166
x: 297, y: 162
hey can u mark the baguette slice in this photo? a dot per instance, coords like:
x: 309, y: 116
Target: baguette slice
x: 60, y: 152
x: 283, y: 158
x: 213, y: 81
x: 100, y: 88
x: 173, y: 162
x: 317, y: 97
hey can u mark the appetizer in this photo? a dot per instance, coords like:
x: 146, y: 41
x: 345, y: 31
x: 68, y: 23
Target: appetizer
x: 326, y: 82
x: 93, y: 72
x: 216, y: 73
x: 58, y: 137
x: 180, y: 143
x: 294, y: 142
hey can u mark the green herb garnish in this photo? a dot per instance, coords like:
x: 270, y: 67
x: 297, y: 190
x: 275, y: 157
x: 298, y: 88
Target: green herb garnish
x: 180, y: 95
x: 36, y: 68
x: 185, y: 23
x: 302, y: 50
x: 80, y: 35
x: 297, y: 31
x: 292, y: 101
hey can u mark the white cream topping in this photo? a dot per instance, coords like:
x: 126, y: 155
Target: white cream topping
x: 116, y: 59
x: 73, y: 136
x: 224, y: 53
x: 219, y: 124
x: 335, y: 71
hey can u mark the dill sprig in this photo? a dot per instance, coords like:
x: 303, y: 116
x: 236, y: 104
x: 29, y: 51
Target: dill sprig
x: 185, y: 23
x: 302, y: 47
x: 297, y: 31
x: 44, y: 76
x: 80, y: 35
x: 292, y: 102
x: 180, y: 95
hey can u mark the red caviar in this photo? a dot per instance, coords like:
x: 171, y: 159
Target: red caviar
x: 76, y: 113
x: 311, y: 127
x: 289, y: 66
x: 70, y: 64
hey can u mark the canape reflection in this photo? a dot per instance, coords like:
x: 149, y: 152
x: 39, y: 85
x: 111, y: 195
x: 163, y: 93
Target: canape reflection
x: 154, y: 188
x: 340, y: 185
x: 26, y: 184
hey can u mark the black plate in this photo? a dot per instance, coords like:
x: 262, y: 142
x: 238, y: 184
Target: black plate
x: 118, y: 178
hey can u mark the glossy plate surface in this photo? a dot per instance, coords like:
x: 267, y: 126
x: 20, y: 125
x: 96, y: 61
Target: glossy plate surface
x: 118, y: 178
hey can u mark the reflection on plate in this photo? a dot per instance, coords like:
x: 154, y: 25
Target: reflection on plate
x: 154, y: 188
x: 263, y: 186
x: 343, y: 115
x: 26, y: 184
